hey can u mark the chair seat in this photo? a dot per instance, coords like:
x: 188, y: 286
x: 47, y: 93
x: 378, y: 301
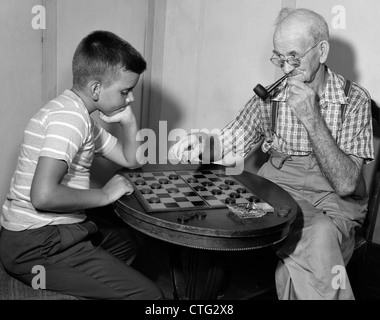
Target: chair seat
x: 13, y: 289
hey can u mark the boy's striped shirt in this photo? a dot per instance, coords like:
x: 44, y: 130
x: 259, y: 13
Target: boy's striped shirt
x: 63, y: 130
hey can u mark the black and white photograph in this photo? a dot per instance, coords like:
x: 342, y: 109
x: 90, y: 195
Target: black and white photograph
x: 197, y: 157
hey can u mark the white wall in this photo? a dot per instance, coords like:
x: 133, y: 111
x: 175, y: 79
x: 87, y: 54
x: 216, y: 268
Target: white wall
x: 214, y: 53
x: 208, y: 56
x: 20, y: 81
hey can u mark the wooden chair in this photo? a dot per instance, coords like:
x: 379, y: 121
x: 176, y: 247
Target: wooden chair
x: 364, y: 235
x: 372, y: 178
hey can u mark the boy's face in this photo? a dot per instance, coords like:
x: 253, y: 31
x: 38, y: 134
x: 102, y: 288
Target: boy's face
x: 116, y: 97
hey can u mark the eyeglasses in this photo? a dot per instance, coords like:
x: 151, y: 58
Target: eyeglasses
x: 293, y: 61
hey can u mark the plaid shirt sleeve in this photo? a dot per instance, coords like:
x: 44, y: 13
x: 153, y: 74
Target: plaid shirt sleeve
x: 356, y: 135
x: 241, y: 134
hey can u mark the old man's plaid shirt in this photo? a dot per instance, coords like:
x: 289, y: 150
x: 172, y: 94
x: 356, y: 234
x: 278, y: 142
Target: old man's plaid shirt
x: 352, y: 132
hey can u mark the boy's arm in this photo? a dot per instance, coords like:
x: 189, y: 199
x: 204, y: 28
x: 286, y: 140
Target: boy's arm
x: 48, y: 194
x: 126, y: 151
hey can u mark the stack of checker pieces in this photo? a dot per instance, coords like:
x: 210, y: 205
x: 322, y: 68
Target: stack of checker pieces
x: 188, y: 190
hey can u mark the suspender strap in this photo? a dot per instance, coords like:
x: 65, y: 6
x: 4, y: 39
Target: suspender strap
x: 274, y: 113
x: 347, y: 90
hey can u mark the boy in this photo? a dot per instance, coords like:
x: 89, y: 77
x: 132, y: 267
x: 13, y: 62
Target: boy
x: 44, y: 220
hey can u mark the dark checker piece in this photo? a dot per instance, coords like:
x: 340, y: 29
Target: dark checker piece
x: 229, y: 182
x: 224, y: 187
x: 140, y: 182
x: 229, y: 200
x: 216, y: 191
x: 183, y: 219
x: 155, y: 186
x: 234, y: 195
x: 154, y: 200
x: 207, y: 183
x: 163, y: 181
x: 200, y: 188
x: 241, y: 190
x: 146, y: 191
x: 254, y: 199
x: 173, y: 177
x: 190, y: 215
x: 200, y: 215
x: 284, y: 212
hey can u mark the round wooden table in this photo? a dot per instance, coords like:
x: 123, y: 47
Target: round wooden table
x: 218, y: 230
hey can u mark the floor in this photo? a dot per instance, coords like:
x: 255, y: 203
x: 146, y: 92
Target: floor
x: 249, y: 274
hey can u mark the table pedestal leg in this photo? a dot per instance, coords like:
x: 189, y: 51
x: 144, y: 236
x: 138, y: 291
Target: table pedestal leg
x: 185, y: 283
x: 215, y: 278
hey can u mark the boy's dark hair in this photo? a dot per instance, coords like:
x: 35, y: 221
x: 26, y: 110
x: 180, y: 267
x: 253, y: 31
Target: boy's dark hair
x: 100, y: 55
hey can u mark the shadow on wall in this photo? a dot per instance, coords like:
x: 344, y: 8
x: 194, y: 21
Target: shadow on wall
x: 162, y: 103
x: 342, y: 59
x: 166, y: 109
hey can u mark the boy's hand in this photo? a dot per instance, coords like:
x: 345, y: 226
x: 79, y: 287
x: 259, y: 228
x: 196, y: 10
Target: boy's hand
x: 117, y: 187
x: 124, y: 116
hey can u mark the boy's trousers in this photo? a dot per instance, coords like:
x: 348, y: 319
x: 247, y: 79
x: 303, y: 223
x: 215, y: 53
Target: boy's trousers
x: 90, y: 260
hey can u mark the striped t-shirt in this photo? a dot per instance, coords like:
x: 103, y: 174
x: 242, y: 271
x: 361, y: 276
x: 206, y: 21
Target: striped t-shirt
x: 63, y: 130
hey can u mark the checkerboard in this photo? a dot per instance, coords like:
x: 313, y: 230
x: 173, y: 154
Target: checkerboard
x: 189, y: 190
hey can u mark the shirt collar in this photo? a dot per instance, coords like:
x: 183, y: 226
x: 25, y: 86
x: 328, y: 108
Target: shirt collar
x: 333, y: 93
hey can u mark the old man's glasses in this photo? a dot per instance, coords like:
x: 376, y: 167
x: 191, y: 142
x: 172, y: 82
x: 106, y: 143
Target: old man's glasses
x: 293, y: 61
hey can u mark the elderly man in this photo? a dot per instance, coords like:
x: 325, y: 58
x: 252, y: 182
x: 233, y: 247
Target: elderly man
x: 317, y: 129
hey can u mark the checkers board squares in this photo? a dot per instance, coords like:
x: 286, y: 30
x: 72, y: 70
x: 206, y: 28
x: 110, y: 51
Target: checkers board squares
x: 165, y: 191
x: 217, y: 188
x: 188, y: 190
